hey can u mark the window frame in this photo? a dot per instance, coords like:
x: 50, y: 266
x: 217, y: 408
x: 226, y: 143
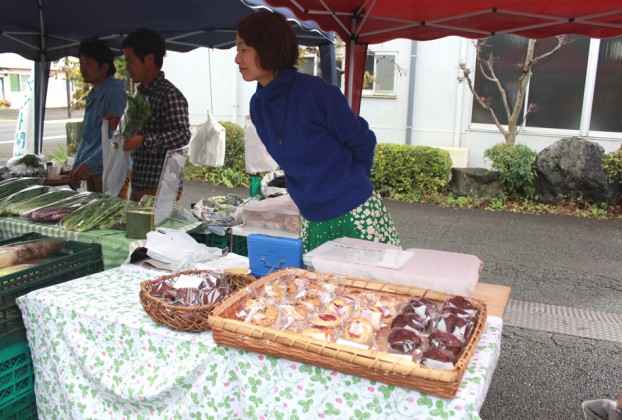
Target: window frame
x: 375, y: 93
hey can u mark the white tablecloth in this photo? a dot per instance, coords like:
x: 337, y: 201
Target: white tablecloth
x: 97, y: 354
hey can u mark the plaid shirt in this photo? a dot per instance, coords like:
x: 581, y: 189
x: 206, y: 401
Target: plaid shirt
x: 167, y: 128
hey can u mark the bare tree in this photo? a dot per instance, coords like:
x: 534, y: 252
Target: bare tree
x: 487, y: 70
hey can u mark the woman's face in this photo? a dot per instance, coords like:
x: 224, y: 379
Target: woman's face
x: 248, y: 63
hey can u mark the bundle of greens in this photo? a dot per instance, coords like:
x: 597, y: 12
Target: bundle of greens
x: 12, y: 185
x: 60, y: 209
x: 100, y: 213
x: 135, y: 115
x: 49, y: 197
x: 24, y: 194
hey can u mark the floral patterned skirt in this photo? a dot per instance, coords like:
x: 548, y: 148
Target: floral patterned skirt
x: 369, y: 221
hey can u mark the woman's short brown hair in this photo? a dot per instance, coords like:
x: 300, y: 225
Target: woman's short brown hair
x: 272, y: 37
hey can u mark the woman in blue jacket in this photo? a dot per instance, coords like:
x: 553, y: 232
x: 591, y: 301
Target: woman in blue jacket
x: 307, y: 126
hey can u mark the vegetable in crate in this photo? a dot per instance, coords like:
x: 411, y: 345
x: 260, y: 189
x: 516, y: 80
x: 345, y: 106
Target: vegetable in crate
x: 21, y: 252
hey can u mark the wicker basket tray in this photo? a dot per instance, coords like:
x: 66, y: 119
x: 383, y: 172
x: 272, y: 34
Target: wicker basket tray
x: 185, y: 318
x: 383, y: 367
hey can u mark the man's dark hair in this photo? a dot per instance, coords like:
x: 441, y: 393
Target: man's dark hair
x: 144, y: 42
x: 272, y: 37
x: 96, y: 49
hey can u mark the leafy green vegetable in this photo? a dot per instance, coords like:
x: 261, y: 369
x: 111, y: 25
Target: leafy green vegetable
x: 101, y: 212
x: 38, y: 201
x: 136, y: 114
x: 24, y: 194
x: 13, y: 185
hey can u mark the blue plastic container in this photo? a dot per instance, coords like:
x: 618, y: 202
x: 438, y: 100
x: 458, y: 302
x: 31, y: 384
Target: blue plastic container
x: 267, y: 254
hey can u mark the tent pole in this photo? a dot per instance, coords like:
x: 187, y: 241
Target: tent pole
x: 42, y: 74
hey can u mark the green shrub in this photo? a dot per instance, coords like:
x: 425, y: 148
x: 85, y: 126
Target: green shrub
x: 408, y: 172
x: 612, y: 165
x: 515, y: 166
x: 233, y: 172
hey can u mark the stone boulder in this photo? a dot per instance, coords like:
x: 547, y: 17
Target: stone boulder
x: 475, y: 182
x: 571, y: 168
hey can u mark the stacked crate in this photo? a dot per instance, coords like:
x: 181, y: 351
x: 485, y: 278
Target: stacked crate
x: 17, y: 398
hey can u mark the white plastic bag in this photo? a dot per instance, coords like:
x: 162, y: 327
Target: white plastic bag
x: 207, y: 146
x: 115, y: 162
x: 178, y: 249
x: 255, y: 154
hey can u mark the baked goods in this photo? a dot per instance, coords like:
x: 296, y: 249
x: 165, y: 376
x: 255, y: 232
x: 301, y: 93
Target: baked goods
x: 409, y: 321
x: 405, y: 341
x: 340, y: 306
x: 424, y: 307
x: 438, y: 358
x: 372, y: 313
x: 326, y: 320
x: 359, y: 330
x: 321, y: 307
x: 322, y: 334
x: 211, y: 288
x: 444, y: 340
x: 461, y: 303
x: 264, y: 316
x: 452, y: 324
x: 291, y: 223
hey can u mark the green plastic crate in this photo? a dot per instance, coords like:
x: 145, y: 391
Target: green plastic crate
x: 77, y: 259
x: 24, y: 408
x: 238, y: 243
x: 16, y: 378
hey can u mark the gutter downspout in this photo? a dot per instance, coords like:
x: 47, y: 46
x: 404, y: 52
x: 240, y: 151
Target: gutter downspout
x: 459, y: 98
x: 411, y: 92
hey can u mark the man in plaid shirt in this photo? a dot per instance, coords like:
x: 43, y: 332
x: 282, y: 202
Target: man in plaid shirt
x: 168, y: 125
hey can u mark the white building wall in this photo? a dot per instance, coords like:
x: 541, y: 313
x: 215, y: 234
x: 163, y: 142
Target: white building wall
x: 441, y: 107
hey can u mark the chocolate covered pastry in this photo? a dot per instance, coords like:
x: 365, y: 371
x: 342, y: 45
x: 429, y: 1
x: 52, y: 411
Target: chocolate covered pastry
x: 438, y: 358
x: 444, y: 340
x: 409, y: 321
x: 406, y: 341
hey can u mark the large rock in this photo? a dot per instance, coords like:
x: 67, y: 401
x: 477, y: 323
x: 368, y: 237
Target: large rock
x: 571, y: 168
x: 475, y: 182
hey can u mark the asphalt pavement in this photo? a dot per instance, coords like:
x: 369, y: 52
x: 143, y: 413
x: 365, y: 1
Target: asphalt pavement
x: 573, y: 263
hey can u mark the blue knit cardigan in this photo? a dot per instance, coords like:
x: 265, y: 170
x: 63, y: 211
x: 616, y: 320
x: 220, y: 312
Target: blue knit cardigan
x: 325, y: 150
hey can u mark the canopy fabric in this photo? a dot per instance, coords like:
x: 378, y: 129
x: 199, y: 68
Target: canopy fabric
x: 363, y: 22
x: 47, y: 30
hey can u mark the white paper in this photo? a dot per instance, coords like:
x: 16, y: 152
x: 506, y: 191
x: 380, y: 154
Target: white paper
x: 361, y: 254
x: 187, y: 281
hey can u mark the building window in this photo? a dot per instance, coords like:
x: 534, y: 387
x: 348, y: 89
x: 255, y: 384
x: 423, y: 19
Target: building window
x: 379, y: 78
x: 307, y: 64
x: 558, y: 87
x: 607, y: 104
x: 18, y: 82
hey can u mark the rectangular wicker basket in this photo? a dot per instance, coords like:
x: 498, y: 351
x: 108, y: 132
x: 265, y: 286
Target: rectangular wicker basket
x: 370, y: 364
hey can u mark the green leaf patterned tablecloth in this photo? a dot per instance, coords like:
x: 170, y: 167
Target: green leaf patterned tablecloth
x: 98, y: 355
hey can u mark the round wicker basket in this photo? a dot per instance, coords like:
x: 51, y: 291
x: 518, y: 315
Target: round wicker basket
x: 185, y: 318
